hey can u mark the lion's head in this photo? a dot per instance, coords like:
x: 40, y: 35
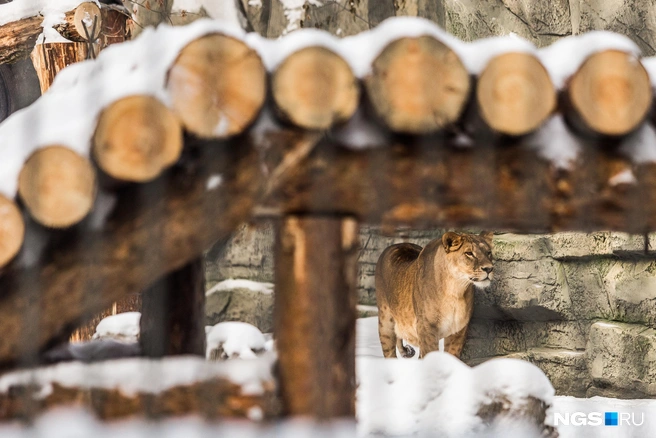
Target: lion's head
x: 469, y: 257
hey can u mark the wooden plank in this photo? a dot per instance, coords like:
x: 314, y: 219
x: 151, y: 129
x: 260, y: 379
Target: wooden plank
x: 314, y: 317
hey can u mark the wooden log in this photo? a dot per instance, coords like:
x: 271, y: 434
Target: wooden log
x: 146, y: 235
x: 17, y: 38
x: 149, y: 13
x: 217, y: 86
x: 173, y: 313
x: 314, y: 315
x: 136, y: 138
x: 86, y: 15
x: 609, y: 95
x: 12, y: 230
x: 212, y: 395
x: 314, y: 88
x: 114, y: 27
x: 418, y: 85
x: 58, y: 186
x: 50, y: 58
x: 514, y: 94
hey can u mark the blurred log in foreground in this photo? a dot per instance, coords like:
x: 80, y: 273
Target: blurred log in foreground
x: 316, y: 280
x: 154, y: 228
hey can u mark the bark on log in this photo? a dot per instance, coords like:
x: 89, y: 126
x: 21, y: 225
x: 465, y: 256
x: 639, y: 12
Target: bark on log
x: 314, y: 88
x: 215, y: 102
x: 12, y: 230
x: 86, y: 15
x: 50, y: 58
x: 145, y: 236
x: 57, y: 186
x: 316, y: 280
x: 173, y: 313
x: 418, y: 85
x: 114, y: 27
x: 136, y: 139
x: 610, y: 94
x: 514, y: 94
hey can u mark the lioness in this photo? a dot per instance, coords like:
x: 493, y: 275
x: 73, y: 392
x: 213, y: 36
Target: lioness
x: 425, y: 295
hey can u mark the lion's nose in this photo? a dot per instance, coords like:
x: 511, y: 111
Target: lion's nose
x: 488, y: 269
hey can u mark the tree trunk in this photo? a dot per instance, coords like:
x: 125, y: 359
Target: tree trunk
x: 173, y: 313
x: 316, y: 279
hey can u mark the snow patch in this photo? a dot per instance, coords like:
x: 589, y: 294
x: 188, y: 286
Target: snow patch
x: 231, y: 283
x: 624, y: 177
x: 214, y: 181
x: 293, y: 10
x: 555, y: 143
x: 236, y: 339
x: 19, y: 9
x: 139, y: 375
x: 640, y: 146
x: 121, y: 327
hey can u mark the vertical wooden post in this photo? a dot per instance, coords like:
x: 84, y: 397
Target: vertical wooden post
x: 316, y: 278
x: 173, y: 313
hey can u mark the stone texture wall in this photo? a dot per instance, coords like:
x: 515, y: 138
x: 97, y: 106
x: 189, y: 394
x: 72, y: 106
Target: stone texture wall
x: 582, y: 307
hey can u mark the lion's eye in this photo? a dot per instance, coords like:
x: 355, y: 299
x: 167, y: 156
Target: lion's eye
x: 469, y: 254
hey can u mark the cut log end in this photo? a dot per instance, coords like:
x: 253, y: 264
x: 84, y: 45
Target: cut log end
x: 12, y: 230
x: 74, y: 23
x: 314, y: 88
x: 418, y: 85
x: 611, y: 93
x: 58, y: 186
x: 515, y: 94
x: 137, y: 137
x: 217, y: 86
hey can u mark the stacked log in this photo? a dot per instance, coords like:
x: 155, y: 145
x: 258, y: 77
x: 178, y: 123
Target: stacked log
x: 609, y: 95
x: 217, y: 102
x: 12, y: 230
x: 418, y: 85
x: 514, y: 94
x: 314, y: 88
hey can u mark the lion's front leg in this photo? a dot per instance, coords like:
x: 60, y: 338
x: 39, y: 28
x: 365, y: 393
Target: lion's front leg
x: 428, y: 340
x: 456, y: 342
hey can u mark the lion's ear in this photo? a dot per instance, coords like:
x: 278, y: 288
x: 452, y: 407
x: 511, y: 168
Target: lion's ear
x: 487, y: 235
x: 451, y: 241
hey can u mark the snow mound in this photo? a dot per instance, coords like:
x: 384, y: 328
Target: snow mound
x: 234, y: 339
x: 441, y: 396
x: 120, y: 327
x: 265, y: 288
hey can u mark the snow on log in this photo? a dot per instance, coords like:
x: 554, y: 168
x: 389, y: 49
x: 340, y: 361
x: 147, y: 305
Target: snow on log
x: 143, y: 236
x: 12, y: 230
x: 137, y: 137
x: 84, y: 24
x: 514, y: 93
x: 21, y: 23
x: 418, y: 85
x: 58, y: 186
x: 217, y: 86
x: 124, y: 388
x: 314, y: 88
x: 610, y: 94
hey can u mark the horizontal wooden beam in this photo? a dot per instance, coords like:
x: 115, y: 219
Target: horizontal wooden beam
x: 425, y: 182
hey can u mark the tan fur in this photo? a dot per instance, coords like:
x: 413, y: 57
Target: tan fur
x: 425, y: 295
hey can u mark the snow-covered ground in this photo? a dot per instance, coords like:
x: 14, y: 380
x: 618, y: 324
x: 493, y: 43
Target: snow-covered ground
x: 122, y: 327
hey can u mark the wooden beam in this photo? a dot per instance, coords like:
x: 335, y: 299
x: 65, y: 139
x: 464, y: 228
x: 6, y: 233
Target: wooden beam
x: 314, y: 315
x: 153, y: 229
x: 173, y: 313
x: 425, y: 182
